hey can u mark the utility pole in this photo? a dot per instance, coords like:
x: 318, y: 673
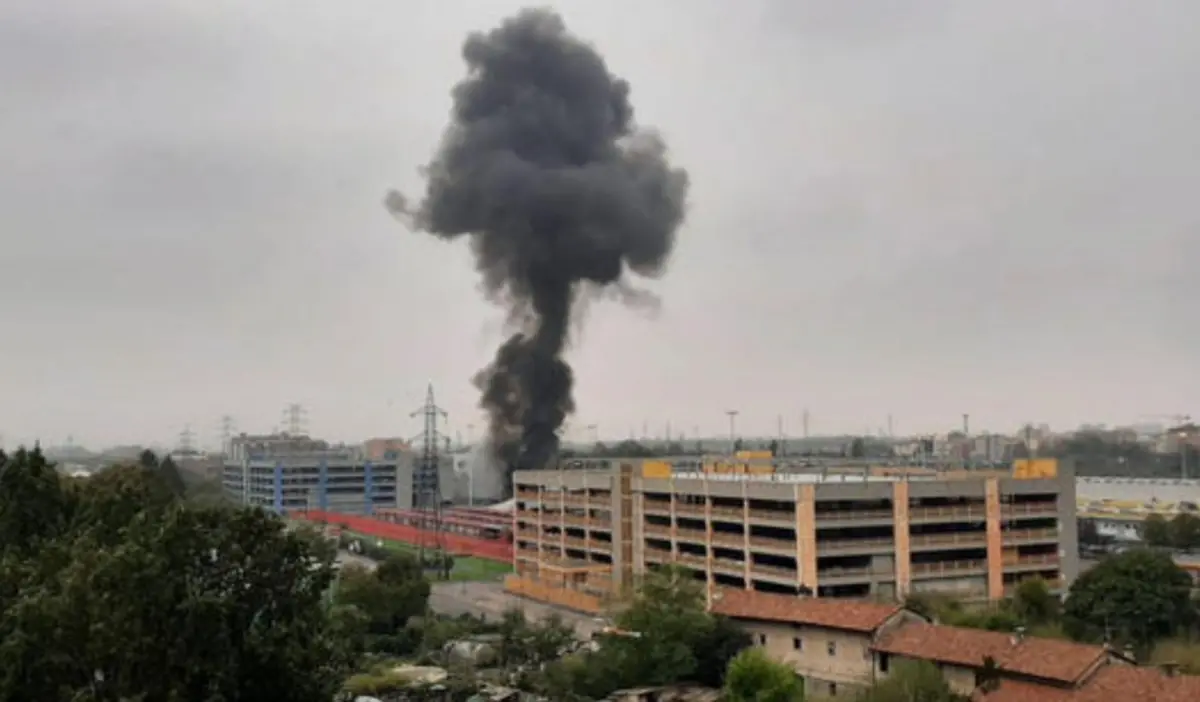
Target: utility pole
x: 966, y: 449
x: 732, y: 428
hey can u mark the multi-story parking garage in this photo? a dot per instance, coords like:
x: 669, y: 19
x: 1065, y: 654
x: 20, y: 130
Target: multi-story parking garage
x: 282, y: 472
x: 972, y: 534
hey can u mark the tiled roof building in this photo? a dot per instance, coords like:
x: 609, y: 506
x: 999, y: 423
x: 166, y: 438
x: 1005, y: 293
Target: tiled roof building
x: 839, y: 646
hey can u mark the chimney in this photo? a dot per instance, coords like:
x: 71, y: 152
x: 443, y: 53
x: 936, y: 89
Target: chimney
x: 1170, y: 669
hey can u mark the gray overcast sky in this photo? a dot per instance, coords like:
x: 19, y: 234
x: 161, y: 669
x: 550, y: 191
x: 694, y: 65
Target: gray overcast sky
x: 917, y: 208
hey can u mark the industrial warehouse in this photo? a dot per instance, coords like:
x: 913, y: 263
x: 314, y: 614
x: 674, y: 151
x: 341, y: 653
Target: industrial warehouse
x: 585, y: 532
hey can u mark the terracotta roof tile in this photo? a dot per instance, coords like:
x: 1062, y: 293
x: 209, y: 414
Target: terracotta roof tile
x: 1047, y: 659
x: 1053, y: 659
x: 1123, y: 682
x: 1113, y: 683
x: 1020, y: 691
x: 944, y: 644
x: 831, y: 613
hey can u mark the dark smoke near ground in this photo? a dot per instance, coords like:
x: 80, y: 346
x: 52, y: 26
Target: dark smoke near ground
x: 562, y: 197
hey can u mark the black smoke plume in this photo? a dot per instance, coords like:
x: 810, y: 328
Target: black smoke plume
x: 543, y: 168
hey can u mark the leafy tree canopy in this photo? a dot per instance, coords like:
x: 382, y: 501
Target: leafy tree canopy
x: 911, y: 682
x: 666, y: 636
x: 388, y: 597
x: 1137, y: 597
x: 112, y: 589
x: 754, y: 677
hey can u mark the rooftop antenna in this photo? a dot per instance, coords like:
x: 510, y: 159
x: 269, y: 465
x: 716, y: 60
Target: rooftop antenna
x: 427, y: 489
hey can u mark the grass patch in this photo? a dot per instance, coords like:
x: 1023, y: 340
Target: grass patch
x: 466, y: 568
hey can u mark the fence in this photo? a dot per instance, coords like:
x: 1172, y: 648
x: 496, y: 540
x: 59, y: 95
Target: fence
x: 552, y: 594
x: 456, y: 544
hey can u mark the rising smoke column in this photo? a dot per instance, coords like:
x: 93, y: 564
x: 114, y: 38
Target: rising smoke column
x: 543, y: 168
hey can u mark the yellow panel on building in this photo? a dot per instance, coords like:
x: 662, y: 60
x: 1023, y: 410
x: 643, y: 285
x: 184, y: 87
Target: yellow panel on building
x: 656, y: 469
x: 1035, y: 468
x: 753, y: 455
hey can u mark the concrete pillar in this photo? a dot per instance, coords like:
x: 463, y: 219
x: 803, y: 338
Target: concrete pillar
x: 903, y: 544
x: 806, y: 536
x: 995, y: 541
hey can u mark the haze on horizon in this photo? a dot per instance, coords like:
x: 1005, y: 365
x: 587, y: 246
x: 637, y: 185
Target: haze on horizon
x: 916, y: 209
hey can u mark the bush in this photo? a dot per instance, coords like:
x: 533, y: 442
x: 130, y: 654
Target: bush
x: 375, y: 684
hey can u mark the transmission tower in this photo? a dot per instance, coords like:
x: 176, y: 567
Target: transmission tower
x: 187, y: 440
x: 427, y: 489
x: 227, y: 427
x: 295, y: 419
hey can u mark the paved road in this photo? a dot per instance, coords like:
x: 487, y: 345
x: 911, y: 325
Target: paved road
x: 489, y: 600
x: 345, y: 557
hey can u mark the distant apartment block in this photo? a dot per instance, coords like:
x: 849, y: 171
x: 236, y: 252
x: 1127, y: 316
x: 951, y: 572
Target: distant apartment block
x: 591, y: 531
x: 281, y: 472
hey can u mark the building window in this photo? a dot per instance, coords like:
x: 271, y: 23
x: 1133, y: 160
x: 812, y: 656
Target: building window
x: 798, y: 644
x: 762, y: 639
x: 832, y: 648
x: 832, y: 689
x: 883, y: 663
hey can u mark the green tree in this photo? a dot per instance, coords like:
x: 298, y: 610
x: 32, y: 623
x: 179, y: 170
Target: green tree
x: 525, y: 643
x: 172, y: 477
x: 754, y: 677
x: 911, y: 682
x: 664, y: 636
x: 147, y: 459
x: 1184, y: 531
x: 667, y: 619
x: 713, y: 652
x: 1034, y: 603
x: 34, y: 505
x: 1136, y: 597
x: 858, y: 448
x: 111, y: 499
x: 391, y: 595
x: 190, y: 604
x: 321, y: 546
x: 1156, y: 531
